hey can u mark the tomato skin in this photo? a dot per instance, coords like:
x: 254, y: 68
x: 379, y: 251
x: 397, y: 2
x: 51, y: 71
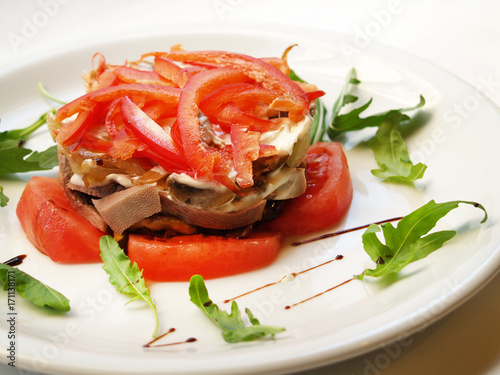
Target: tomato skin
x: 54, y: 226
x: 178, y: 258
x: 327, y: 197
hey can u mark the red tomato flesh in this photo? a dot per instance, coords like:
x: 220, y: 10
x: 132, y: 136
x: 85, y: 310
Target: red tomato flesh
x: 54, y: 226
x: 180, y: 257
x: 327, y: 197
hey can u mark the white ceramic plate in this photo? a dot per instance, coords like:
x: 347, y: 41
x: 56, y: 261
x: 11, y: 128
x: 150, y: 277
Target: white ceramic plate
x: 458, y: 142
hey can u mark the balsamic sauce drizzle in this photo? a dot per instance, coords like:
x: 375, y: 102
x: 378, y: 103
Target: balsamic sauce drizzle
x: 320, y: 294
x: 294, y: 274
x: 149, y: 344
x: 338, y: 257
x: 16, y: 261
x: 328, y: 235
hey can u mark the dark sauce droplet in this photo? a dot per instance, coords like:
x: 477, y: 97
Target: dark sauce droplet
x: 208, y: 303
x: 16, y: 261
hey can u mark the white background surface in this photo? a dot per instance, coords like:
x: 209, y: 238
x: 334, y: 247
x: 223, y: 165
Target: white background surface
x: 459, y: 36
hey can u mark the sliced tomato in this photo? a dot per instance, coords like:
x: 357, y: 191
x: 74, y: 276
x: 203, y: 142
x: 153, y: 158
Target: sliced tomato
x: 54, y: 226
x: 178, y: 258
x: 327, y: 197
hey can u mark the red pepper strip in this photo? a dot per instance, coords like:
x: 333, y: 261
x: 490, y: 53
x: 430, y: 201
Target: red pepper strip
x: 112, y: 117
x: 156, y: 109
x: 161, y: 161
x: 96, y: 144
x: 72, y: 132
x: 131, y: 75
x: 202, y: 159
x: 152, y: 135
x: 313, y: 95
x: 246, y: 149
x: 237, y: 92
x: 292, y: 97
x: 215, y: 107
x: 171, y: 71
x: 101, y: 65
x: 229, y: 115
x: 125, y: 144
x: 169, y: 95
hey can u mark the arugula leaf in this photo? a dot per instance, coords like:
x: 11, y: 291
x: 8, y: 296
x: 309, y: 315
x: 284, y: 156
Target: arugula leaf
x: 232, y: 326
x: 391, y: 153
x: 318, y: 126
x: 406, y: 243
x: 14, y: 158
x: 345, y: 97
x: 125, y: 276
x: 352, y: 121
x: 33, y: 290
x: 43, y: 91
x: 3, y: 198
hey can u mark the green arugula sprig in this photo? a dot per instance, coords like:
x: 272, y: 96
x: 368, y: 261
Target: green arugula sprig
x: 409, y: 241
x: 318, y: 125
x: 232, y: 325
x: 391, y: 154
x: 13, y: 155
x: 14, y: 158
x: 388, y: 145
x: 3, y: 198
x: 33, y: 290
x: 125, y: 276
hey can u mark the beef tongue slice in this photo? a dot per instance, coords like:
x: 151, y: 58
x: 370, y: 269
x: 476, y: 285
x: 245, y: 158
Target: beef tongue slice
x: 124, y: 208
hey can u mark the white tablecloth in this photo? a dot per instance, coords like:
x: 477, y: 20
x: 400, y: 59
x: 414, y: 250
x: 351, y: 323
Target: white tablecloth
x: 460, y: 36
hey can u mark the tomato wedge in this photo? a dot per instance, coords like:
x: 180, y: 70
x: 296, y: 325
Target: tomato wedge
x: 178, y: 258
x: 327, y: 197
x: 54, y: 226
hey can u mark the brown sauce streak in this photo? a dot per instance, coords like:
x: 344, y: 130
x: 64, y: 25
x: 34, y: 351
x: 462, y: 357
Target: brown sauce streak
x: 16, y: 261
x: 334, y: 234
x: 149, y: 344
x: 294, y: 274
x: 319, y: 294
